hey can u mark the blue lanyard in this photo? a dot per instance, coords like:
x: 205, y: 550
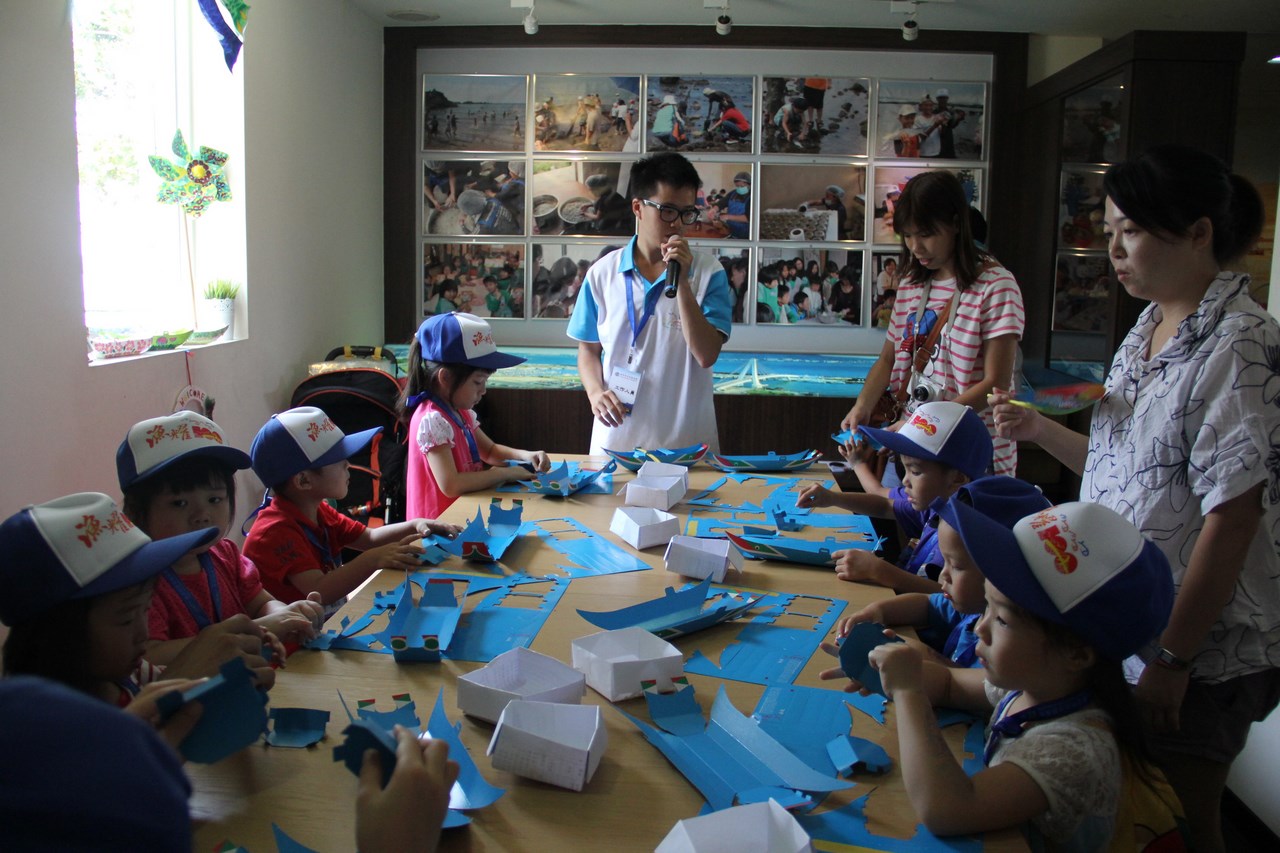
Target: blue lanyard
x: 1014, y: 725
x: 322, y: 547
x: 193, y: 607
x: 649, y: 307
x: 456, y: 420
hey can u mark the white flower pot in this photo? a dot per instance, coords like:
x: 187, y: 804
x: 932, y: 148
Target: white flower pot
x: 213, y: 314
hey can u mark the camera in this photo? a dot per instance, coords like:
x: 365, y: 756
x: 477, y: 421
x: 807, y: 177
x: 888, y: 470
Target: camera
x: 910, y: 30
x: 926, y: 391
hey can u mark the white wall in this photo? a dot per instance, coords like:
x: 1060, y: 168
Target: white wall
x: 313, y: 171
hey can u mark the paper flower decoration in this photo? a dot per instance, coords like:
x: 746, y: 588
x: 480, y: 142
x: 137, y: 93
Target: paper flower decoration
x: 193, y: 182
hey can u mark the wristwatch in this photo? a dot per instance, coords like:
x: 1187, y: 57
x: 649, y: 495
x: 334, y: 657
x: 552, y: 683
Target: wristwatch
x: 1169, y: 660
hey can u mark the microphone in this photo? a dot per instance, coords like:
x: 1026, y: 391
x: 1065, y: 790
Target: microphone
x: 673, y: 278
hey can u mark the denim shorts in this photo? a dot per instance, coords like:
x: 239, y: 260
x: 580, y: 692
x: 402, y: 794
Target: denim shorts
x: 1215, y: 718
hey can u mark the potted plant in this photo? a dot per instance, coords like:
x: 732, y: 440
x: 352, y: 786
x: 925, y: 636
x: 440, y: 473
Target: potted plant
x: 218, y: 308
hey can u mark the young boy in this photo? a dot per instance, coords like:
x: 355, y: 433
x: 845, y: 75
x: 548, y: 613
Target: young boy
x: 297, y: 540
x: 944, y: 621
x: 942, y: 446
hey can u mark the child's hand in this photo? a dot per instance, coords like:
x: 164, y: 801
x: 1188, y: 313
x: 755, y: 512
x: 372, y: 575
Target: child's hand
x: 859, y: 566
x: 837, y: 673
x: 408, y: 813
x: 1016, y: 423
x: 291, y: 624
x: 236, y: 637
x: 814, y: 495
x: 428, y: 527
x: 540, y: 460
x: 900, y: 665
x: 398, y: 555
x: 870, y: 613
x: 175, y: 729
x: 515, y: 473
x: 859, y: 451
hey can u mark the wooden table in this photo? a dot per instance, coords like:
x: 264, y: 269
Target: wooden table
x: 636, y: 795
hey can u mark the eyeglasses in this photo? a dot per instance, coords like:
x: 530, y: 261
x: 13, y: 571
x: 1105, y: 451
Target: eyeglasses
x: 670, y: 213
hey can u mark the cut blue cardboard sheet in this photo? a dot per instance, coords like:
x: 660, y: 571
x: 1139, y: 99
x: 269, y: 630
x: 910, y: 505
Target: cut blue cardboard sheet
x: 633, y: 459
x: 421, y: 631
x: 296, y: 728
x: 772, y: 461
x: 285, y: 844
x: 591, y: 554
x: 806, y: 719
x: 708, y: 497
x: 851, y: 755
x: 848, y: 826
x: 471, y: 791
x: 234, y: 715
x: 761, y: 543
x: 481, y: 542
x: 678, y: 613
x: 360, y: 736
x: 731, y: 758
x: 862, y: 638
x: 566, y: 479
x: 768, y: 653
x: 498, y: 623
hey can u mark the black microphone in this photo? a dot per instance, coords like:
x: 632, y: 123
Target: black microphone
x: 673, y: 278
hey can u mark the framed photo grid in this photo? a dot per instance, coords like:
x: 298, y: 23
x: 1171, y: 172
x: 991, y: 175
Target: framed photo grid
x: 526, y: 183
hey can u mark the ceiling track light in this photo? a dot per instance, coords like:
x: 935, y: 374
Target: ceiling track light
x: 530, y: 23
x: 910, y: 27
x: 724, y: 24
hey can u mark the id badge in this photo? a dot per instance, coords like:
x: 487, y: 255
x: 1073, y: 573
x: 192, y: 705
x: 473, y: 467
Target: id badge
x: 624, y: 384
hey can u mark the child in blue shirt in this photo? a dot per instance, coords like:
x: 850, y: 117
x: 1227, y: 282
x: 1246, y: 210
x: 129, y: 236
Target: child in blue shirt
x: 942, y: 445
x: 944, y: 621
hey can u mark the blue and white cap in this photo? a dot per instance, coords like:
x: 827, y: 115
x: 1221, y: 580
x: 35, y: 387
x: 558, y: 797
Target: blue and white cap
x: 155, y: 444
x: 461, y: 338
x: 301, y: 439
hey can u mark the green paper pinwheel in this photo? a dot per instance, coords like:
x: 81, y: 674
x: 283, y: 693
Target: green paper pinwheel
x: 193, y: 182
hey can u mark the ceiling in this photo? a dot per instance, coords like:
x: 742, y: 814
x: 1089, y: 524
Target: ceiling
x: 1105, y: 19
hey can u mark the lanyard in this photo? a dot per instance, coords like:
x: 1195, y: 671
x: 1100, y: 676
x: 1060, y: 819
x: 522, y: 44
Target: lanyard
x: 1013, y: 725
x: 456, y: 420
x: 637, y: 329
x: 188, y: 598
x: 322, y: 546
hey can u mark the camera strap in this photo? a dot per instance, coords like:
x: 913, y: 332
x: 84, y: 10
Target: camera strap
x: 922, y: 353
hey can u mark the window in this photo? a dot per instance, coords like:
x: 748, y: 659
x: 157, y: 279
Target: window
x: 143, y: 71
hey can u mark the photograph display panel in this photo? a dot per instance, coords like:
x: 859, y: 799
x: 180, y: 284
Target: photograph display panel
x: 1093, y: 123
x: 1080, y: 209
x: 575, y: 112
x: 557, y: 272
x: 485, y: 279
x: 814, y: 203
x: 891, y: 180
x: 815, y: 115
x: 725, y: 200
x: 886, y: 267
x: 737, y: 268
x: 1083, y: 288
x: 700, y: 113
x: 931, y: 120
x: 474, y: 112
x: 465, y: 198
x: 809, y: 285
x: 589, y: 197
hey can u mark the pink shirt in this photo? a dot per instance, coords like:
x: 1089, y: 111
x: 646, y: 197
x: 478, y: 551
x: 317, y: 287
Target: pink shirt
x: 991, y: 308
x: 238, y: 585
x: 431, y: 427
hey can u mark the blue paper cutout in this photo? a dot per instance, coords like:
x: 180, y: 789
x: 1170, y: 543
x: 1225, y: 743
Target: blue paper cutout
x: 481, y: 543
x: 297, y: 727
x: 677, y: 613
x: 862, y: 638
x: 471, y: 791
x: 491, y: 629
x: 234, y: 716
x: 771, y: 462
x: 804, y: 720
x: 404, y: 715
x: 848, y: 825
x: 851, y: 755
x: 420, y: 632
x: 633, y: 459
x: 285, y: 844
x: 566, y: 479
x: 764, y: 653
x: 732, y: 755
x: 676, y: 713
x: 593, y: 554
x: 362, y: 735
x: 759, y: 543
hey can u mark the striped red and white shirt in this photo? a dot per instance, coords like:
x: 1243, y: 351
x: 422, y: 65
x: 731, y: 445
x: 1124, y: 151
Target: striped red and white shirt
x: 990, y: 308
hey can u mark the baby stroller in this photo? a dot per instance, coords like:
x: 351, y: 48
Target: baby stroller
x: 358, y: 389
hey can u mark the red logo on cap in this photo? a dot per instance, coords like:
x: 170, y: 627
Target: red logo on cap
x: 93, y: 526
x: 480, y: 337
x: 1056, y: 545
x: 924, y: 425
x: 205, y: 432
x: 315, y: 428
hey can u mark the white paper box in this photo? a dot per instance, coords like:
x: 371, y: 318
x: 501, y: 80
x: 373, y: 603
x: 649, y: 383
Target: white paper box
x: 657, y: 492
x: 664, y: 469
x: 617, y: 662
x: 557, y: 744
x: 518, y: 674
x: 643, y: 526
x: 756, y: 828
x: 693, y: 557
